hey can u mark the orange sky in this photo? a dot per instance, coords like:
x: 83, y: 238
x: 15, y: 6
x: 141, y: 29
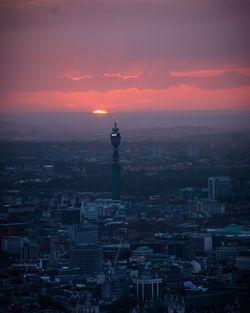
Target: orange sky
x: 143, y: 55
x: 131, y: 100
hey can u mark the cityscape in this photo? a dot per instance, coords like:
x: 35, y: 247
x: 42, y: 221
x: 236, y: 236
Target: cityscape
x: 124, y: 156
x: 125, y: 226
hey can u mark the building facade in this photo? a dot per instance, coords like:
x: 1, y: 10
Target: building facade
x: 218, y: 187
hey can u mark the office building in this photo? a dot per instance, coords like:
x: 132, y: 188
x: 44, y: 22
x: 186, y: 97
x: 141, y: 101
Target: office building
x: 219, y: 187
x: 87, y: 257
x: 201, y: 243
x: 86, y: 234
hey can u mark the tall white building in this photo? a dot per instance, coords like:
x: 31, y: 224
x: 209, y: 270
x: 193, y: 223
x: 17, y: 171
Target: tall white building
x: 218, y: 187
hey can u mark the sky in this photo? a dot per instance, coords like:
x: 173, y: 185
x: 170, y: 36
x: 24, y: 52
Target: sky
x: 124, y: 55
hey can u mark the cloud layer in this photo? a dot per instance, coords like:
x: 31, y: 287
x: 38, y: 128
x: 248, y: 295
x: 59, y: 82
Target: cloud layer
x: 124, y: 55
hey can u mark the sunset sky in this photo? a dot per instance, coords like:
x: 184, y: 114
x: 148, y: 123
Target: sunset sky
x: 124, y: 55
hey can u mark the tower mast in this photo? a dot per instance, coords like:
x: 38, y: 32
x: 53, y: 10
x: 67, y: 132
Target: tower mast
x: 115, y: 141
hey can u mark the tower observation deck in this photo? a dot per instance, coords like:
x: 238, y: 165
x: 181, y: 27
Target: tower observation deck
x: 115, y: 141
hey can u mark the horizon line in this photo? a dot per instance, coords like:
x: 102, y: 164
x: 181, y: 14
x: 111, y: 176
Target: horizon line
x: 126, y: 112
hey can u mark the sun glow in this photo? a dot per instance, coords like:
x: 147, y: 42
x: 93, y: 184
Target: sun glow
x: 99, y: 112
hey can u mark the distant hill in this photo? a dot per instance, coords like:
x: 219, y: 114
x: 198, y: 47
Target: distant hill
x: 82, y: 126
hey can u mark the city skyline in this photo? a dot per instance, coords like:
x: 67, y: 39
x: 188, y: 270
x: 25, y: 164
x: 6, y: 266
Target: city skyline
x: 124, y: 156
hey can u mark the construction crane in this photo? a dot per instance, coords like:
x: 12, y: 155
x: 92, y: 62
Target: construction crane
x: 117, y: 254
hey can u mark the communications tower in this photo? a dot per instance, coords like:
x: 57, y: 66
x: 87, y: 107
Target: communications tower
x: 115, y: 141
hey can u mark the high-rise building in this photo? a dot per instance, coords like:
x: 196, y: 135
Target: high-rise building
x: 70, y: 216
x: 87, y: 257
x: 30, y: 250
x: 218, y: 187
x: 226, y: 253
x: 86, y: 234
x: 115, y: 141
x: 89, y: 212
x: 201, y: 243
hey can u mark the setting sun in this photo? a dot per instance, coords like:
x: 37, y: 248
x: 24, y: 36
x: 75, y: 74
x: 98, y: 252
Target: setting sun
x: 100, y: 112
